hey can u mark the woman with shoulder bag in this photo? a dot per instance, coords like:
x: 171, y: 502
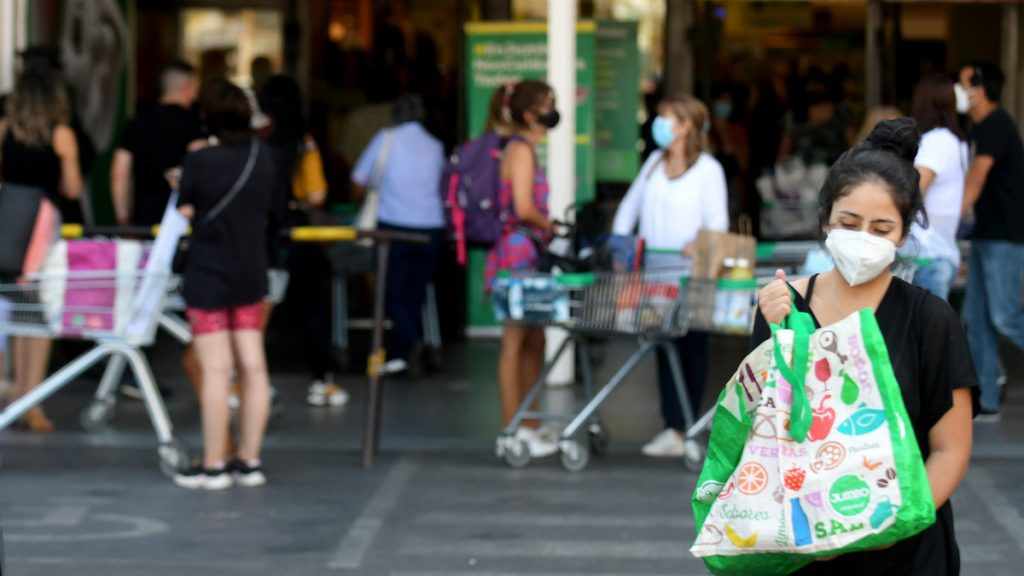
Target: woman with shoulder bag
x: 225, y: 191
x: 300, y: 195
x: 680, y: 190
x: 404, y: 162
x: 37, y: 150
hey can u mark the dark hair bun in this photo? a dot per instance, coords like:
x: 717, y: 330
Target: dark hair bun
x: 900, y: 137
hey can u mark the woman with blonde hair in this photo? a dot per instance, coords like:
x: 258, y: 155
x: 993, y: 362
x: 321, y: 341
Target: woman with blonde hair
x: 680, y: 190
x: 38, y: 149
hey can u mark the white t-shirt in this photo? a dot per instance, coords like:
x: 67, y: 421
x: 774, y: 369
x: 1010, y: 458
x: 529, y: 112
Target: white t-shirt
x: 945, y: 155
x: 671, y: 211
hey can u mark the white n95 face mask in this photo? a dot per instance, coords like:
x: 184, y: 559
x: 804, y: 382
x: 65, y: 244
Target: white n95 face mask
x: 963, y: 100
x: 859, y: 256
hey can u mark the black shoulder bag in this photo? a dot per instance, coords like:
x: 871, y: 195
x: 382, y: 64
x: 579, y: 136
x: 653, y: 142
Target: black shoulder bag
x: 178, y: 265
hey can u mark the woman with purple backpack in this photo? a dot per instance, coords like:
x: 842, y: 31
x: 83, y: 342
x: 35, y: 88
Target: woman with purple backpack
x: 527, y: 109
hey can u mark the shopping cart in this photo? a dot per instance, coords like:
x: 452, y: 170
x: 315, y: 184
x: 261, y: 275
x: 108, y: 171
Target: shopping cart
x: 653, y: 306
x: 117, y: 310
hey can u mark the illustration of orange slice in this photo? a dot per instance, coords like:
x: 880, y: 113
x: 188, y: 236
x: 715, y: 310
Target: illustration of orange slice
x: 752, y: 479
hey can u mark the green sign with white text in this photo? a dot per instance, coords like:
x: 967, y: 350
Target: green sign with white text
x: 616, y: 100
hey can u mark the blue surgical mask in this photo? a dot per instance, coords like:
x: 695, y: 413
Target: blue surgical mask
x: 661, y: 131
x: 722, y: 109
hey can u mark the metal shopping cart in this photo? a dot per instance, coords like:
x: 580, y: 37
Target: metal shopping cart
x: 653, y: 306
x: 120, y: 312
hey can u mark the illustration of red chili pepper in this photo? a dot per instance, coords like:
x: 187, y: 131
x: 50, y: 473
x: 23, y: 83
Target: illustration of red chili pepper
x: 824, y: 418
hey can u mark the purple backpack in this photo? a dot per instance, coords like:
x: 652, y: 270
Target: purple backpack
x: 474, y: 213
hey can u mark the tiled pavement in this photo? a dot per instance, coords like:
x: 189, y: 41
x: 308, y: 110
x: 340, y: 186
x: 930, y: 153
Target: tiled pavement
x: 438, y: 503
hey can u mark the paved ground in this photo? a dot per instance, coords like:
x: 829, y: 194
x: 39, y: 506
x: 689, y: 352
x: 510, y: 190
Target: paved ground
x: 438, y: 503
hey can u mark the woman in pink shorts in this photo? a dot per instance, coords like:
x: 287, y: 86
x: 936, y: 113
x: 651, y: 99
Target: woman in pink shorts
x: 225, y: 191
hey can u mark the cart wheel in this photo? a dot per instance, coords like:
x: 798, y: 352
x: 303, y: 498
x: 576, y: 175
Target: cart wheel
x: 96, y: 416
x: 173, y: 457
x: 598, y: 438
x: 573, y: 455
x: 694, y: 455
x: 514, y: 451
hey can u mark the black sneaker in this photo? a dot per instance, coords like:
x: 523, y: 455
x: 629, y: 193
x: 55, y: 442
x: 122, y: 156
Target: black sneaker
x: 199, y: 478
x: 245, y: 475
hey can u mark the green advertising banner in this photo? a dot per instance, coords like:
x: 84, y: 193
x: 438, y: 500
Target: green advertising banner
x: 616, y: 100
x: 501, y: 52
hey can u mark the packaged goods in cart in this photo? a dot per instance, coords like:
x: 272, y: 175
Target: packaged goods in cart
x: 735, y: 296
x: 534, y: 298
x: 812, y: 454
x: 645, y: 305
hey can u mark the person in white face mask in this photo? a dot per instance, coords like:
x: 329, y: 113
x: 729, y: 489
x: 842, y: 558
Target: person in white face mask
x: 867, y: 205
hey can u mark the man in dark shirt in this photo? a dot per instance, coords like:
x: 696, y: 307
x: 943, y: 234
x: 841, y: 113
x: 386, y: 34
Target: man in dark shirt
x: 154, y: 142
x: 995, y: 189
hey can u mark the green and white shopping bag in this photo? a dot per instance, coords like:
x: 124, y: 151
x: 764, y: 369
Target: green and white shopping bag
x: 812, y: 453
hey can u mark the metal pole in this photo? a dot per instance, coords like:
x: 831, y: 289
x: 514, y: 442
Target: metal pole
x: 678, y: 59
x: 873, y: 55
x: 8, y: 29
x: 1011, y: 58
x: 372, y: 427
x: 562, y: 147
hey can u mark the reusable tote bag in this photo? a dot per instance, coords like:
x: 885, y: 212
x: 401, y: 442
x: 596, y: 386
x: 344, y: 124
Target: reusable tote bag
x: 87, y: 285
x: 366, y: 219
x: 812, y: 453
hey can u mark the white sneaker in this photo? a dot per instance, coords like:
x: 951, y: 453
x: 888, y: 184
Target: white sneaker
x: 394, y: 366
x: 539, y: 444
x: 667, y: 444
x: 326, y: 394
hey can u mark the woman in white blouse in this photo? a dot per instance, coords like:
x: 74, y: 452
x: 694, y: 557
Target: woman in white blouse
x: 680, y: 189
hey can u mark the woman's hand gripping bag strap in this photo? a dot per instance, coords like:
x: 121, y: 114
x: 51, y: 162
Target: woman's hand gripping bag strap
x: 827, y: 468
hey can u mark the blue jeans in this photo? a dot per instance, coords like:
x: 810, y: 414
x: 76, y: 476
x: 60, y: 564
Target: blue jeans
x: 936, y: 277
x: 993, y: 306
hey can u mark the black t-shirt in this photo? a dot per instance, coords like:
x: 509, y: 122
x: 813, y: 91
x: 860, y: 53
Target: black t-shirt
x: 158, y: 140
x: 226, y: 264
x: 1001, y: 204
x: 28, y: 166
x: 930, y: 358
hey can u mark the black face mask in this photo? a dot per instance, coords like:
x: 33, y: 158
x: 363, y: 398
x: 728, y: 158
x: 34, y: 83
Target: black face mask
x: 550, y: 119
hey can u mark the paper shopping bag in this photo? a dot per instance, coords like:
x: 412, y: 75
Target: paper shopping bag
x: 815, y: 457
x: 713, y: 248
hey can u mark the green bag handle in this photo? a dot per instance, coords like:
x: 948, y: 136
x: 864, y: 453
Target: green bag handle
x: 802, y: 325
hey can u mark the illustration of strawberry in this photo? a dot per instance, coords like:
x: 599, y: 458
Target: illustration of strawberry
x: 794, y: 478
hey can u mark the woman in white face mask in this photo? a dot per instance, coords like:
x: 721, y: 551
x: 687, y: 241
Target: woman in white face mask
x: 867, y: 205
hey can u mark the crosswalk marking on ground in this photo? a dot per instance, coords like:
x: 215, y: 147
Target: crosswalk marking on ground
x: 357, y: 541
